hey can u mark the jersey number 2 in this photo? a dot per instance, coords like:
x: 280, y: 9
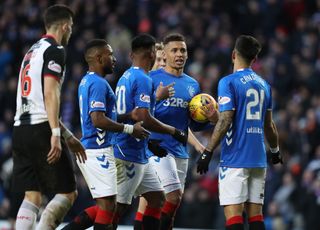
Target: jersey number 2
x: 255, y: 104
x: 25, y: 81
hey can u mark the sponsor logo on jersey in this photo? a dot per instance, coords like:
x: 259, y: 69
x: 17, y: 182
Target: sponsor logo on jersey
x: 55, y: 67
x: 97, y: 104
x: 145, y: 98
x: 224, y: 100
x: 175, y: 102
x: 255, y: 130
x: 191, y: 91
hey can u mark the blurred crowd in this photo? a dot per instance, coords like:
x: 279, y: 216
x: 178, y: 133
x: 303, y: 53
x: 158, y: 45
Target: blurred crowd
x: 289, y: 31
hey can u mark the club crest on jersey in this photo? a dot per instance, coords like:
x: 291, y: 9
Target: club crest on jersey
x: 224, y: 100
x: 145, y: 98
x: 55, y: 67
x: 191, y: 91
x: 97, y: 104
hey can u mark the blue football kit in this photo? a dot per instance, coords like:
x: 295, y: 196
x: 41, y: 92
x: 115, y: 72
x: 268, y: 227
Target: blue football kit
x: 95, y: 94
x: 134, y: 90
x: 174, y: 111
x: 249, y: 96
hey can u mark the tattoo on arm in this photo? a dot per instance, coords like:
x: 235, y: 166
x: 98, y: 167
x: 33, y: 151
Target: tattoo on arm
x: 220, y: 129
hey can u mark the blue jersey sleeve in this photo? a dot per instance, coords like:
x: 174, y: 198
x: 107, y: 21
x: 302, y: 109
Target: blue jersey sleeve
x: 226, y: 98
x: 143, y: 93
x: 97, y: 99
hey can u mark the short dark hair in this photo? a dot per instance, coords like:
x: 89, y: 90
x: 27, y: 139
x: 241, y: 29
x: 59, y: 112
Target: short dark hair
x: 175, y: 37
x: 56, y: 13
x: 142, y: 41
x: 95, y: 43
x: 248, y: 47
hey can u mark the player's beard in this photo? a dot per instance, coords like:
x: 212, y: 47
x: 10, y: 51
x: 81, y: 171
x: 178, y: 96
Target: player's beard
x: 107, y: 70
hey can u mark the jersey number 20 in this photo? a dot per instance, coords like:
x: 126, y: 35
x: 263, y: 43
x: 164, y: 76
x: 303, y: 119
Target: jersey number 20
x: 255, y: 104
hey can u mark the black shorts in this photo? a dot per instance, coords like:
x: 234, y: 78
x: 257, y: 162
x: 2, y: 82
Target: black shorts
x: 31, y: 171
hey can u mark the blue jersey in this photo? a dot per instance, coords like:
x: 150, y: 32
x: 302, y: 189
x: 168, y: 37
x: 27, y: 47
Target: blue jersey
x: 134, y: 90
x: 95, y: 94
x: 250, y: 96
x: 174, y: 111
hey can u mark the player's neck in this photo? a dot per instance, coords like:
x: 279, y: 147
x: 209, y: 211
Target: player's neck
x: 96, y: 70
x: 57, y: 37
x: 239, y: 65
x: 142, y: 65
x: 173, y: 71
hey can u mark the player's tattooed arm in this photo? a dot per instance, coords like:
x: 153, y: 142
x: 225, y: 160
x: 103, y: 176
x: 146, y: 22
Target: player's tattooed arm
x: 221, y: 128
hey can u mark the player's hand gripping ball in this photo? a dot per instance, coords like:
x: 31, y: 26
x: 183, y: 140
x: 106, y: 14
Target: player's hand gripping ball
x: 196, y: 105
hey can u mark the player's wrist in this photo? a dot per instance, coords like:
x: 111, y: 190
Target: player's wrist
x: 66, y: 134
x: 127, y: 129
x: 56, y: 132
x: 173, y: 131
x: 274, y: 150
x: 208, y: 152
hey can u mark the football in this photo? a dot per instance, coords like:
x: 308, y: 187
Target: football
x: 197, y: 102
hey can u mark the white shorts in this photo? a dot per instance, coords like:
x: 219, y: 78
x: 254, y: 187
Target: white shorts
x: 172, y: 172
x: 134, y: 179
x: 240, y: 185
x: 100, y: 172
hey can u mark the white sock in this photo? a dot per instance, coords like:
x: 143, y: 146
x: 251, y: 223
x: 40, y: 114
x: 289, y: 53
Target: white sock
x: 27, y: 216
x: 54, y: 212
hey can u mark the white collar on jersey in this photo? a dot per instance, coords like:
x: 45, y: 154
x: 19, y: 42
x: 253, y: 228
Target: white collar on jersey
x: 242, y: 69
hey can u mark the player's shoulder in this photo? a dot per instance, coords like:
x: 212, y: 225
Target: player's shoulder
x: 91, y: 78
x: 189, y: 79
x: 230, y: 78
x: 139, y: 74
x: 258, y: 78
x: 262, y: 80
x: 133, y: 72
x: 54, y: 49
x: 156, y: 72
x: 51, y: 43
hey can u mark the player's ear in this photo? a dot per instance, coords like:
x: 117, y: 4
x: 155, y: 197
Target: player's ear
x: 100, y: 59
x: 65, y: 26
x: 131, y: 55
x: 233, y: 56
